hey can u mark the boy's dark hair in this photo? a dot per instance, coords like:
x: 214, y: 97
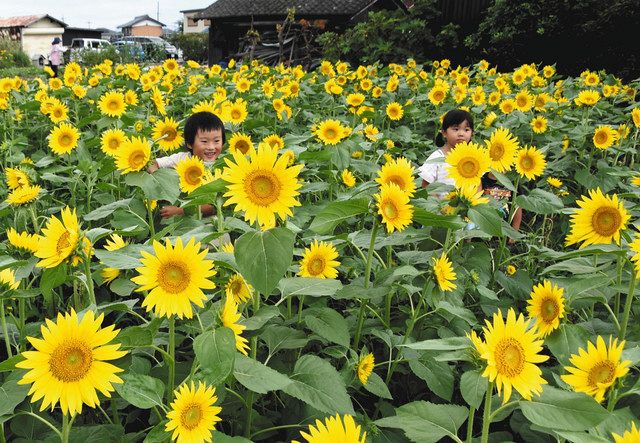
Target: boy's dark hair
x: 452, y: 118
x: 203, y: 121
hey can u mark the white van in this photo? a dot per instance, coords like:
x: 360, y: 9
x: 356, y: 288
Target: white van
x: 95, y: 44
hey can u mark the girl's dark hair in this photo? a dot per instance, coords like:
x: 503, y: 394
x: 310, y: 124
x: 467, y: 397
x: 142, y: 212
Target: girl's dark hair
x: 452, y: 118
x: 203, y: 121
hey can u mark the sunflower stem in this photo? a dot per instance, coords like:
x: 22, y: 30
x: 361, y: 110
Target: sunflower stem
x: 66, y: 428
x: 171, y: 350
x: 472, y: 413
x: 150, y: 223
x: 5, y: 331
x: 34, y: 219
x: 486, y: 417
x: 627, y: 306
x: 87, y: 272
x: 254, y: 354
x: 367, y: 276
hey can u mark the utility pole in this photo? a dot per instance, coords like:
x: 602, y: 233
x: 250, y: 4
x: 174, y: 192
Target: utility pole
x: 158, y: 11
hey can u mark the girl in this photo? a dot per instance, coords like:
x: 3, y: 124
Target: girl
x: 55, y: 55
x: 457, y: 127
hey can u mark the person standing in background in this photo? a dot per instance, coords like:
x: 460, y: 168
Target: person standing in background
x: 55, y: 55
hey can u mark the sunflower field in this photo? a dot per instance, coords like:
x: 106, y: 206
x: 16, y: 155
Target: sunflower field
x: 331, y: 298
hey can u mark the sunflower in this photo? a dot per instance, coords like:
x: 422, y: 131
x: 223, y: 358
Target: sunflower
x: 262, y: 185
x: 554, y: 182
x: 524, y: 101
x: 63, y: 139
x: 635, y: 116
x: 597, y: 368
x: 530, y: 162
x: 23, y: 240
x: 507, y: 106
x: 167, y: 134
x: 193, y: 415
x: 204, y: 106
x: 539, y: 124
x: 131, y: 98
x: 355, y: 99
x: 394, y: 111
x: 365, y: 367
x: 334, y: 430
x: 546, y: 307
x: 237, y: 112
x: 112, y: 104
x: 467, y: 195
x: 59, y: 239
x: 243, y: 84
x: 58, y: 113
x: 16, y: 178
x: 630, y: 436
x: 111, y: 140
x: 511, y: 351
x: 23, y: 195
x: 319, y: 261
x: 331, y: 132
x: 604, y: 137
x: 348, y: 179
x: 598, y: 221
x: 511, y: 270
x: 238, y: 288
x: 170, y: 65
x: 588, y: 97
x: 8, y: 280
x: 112, y: 244
x: 274, y: 141
x: 468, y: 162
x: 443, y: 270
x: 175, y: 277
x: 192, y: 174
x: 229, y: 317
x: 502, y: 146
x: 634, y: 246
x: 133, y: 155
x: 400, y: 172
x: 394, y: 207
x: 69, y: 364
x: 437, y: 94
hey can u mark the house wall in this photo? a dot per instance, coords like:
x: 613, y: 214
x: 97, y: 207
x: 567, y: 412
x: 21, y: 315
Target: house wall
x: 146, y: 30
x: 190, y: 26
x: 37, y: 38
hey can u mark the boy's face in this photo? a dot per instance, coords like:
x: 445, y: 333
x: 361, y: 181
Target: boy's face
x: 207, y: 145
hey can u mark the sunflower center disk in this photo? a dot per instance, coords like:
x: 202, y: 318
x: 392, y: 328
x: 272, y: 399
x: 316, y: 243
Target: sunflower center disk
x: 468, y: 167
x: 606, y: 221
x: 602, y: 372
x: 113, y: 144
x: 549, y: 310
x: 397, y: 180
x: 71, y: 361
x: 170, y: 134
x: 174, y: 277
x: 242, y: 146
x: 390, y: 210
x: 113, y: 105
x: 63, y: 242
x: 235, y: 114
x: 193, y: 176
x: 509, y: 356
x: 191, y: 416
x: 496, y: 151
x: 64, y: 140
x: 316, y: 266
x: 601, y: 138
x: 262, y: 187
x: 137, y: 160
x: 527, y: 163
x: 236, y: 287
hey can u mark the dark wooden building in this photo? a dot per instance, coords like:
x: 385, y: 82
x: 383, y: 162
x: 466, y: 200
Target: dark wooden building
x: 231, y: 19
x: 70, y: 33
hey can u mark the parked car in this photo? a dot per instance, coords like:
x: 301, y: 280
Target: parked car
x: 86, y: 44
x: 132, y: 49
x: 151, y: 44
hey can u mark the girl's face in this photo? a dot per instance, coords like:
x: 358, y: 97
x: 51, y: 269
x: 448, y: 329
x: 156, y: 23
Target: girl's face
x: 207, y: 144
x: 457, y: 134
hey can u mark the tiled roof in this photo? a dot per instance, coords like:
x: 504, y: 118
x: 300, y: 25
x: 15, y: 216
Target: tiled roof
x: 140, y: 18
x: 241, y: 8
x: 25, y: 20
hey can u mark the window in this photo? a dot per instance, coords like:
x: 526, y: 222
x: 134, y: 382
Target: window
x: 191, y: 22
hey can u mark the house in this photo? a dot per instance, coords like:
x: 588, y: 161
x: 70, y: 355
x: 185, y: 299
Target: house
x: 191, y: 24
x: 231, y: 19
x: 34, y: 32
x: 142, y: 25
